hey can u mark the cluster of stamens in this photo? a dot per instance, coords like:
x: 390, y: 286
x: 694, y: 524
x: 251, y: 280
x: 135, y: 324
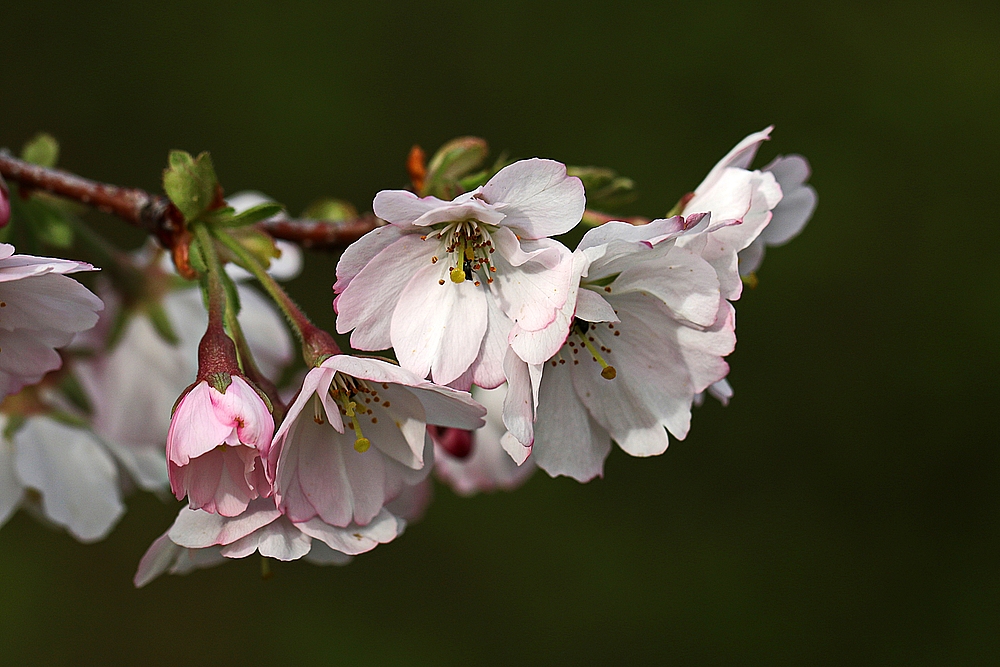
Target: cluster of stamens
x: 468, y: 245
x: 582, y: 331
x: 355, y: 398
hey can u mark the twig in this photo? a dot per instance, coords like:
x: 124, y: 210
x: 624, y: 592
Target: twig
x: 156, y: 215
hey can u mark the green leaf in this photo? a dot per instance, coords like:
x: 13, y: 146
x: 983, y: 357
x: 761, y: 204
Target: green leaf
x: 161, y: 323
x: 257, y: 243
x: 604, y: 187
x: 330, y: 209
x: 42, y: 150
x: 250, y: 216
x: 454, y: 161
x: 190, y: 183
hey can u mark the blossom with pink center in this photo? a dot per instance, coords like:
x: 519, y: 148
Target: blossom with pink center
x: 649, y: 331
x: 41, y: 309
x: 355, y: 437
x: 201, y: 539
x: 214, y: 447
x: 445, y: 280
x: 486, y: 467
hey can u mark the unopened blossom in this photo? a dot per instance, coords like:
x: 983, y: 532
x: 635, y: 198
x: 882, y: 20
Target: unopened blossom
x: 41, y: 309
x: 214, y: 447
x: 444, y: 281
x: 200, y: 539
x: 649, y: 331
x: 486, y: 467
x: 355, y: 437
x: 133, y: 378
x: 62, y: 471
x: 4, y: 203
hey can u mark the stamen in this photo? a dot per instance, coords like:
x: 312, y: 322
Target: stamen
x: 608, y: 371
x: 317, y: 410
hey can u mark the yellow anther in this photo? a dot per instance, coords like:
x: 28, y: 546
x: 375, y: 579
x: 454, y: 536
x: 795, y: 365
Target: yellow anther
x: 608, y: 371
x: 457, y: 275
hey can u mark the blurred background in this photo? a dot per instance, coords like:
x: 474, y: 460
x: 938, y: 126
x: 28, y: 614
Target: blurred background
x: 843, y: 509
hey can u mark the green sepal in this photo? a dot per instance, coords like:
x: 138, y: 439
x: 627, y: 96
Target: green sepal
x: 605, y: 281
x: 43, y: 150
x: 604, y: 187
x: 453, y: 161
x: 73, y: 391
x: 190, y: 183
x: 331, y: 209
x: 220, y: 381
x: 196, y: 257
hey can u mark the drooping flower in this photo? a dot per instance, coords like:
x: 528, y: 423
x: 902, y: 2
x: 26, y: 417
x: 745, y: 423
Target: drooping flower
x: 444, y: 281
x: 649, y: 331
x: 63, y: 471
x: 133, y: 377
x: 200, y: 539
x: 214, y: 447
x: 319, y: 469
x: 41, y: 309
x: 486, y: 467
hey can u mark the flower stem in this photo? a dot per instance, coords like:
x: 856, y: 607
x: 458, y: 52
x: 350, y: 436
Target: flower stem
x: 316, y: 343
x: 216, y: 352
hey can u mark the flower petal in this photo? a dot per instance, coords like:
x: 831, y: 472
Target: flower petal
x: 538, y: 197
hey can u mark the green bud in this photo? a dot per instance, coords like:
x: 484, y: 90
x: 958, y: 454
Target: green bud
x: 334, y: 210
x: 50, y: 225
x: 257, y: 243
x: 227, y: 217
x: 454, y: 161
x: 604, y: 187
x: 190, y: 183
x: 42, y: 150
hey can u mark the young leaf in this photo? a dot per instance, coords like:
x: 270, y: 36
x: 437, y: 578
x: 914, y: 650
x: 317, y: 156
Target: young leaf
x: 42, y: 150
x: 190, y: 183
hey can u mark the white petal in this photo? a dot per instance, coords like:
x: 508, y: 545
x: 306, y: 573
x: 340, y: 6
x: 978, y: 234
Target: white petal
x: 353, y: 539
x: 11, y: 489
x: 532, y: 286
x: 367, y: 303
x: 518, y: 405
x: 280, y: 539
x: 739, y: 157
x: 685, y: 282
x: 538, y: 197
x: 438, y: 328
x: 77, y: 478
x: 567, y: 439
x: 197, y: 529
x: 358, y: 254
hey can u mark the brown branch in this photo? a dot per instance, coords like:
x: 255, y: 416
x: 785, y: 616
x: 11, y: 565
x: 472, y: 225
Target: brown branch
x: 156, y: 215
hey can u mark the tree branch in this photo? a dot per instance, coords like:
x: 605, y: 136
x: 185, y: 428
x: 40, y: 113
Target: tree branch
x: 156, y: 215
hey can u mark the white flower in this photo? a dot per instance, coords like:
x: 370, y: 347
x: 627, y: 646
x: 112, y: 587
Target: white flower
x: 444, y: 281
x: 487, y: 467
x: 318, y: 469
x: 202, y: 539
x: 62, y: 470
x: 40, y: 310
x: 649, y: 331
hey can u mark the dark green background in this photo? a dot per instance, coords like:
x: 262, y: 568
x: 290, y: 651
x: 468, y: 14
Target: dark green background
x: 842, y: 510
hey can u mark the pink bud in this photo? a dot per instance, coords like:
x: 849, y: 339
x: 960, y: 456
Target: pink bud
x: 214, y: 445
x: 4, y: 204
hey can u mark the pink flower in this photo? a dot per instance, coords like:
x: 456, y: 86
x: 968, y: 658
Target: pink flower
x: 4, y: 204
x: 319, y: 468
x: 40, y: 310
x: 214, y: 446
x: 444, y: 281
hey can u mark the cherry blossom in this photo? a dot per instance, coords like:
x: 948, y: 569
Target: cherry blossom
x: 319, y: 469
x: 444, y: 281
x: 41, y: 309
x: 200, y: 539
x: 63, y: 471
x: 214, y: 446
x: 487, y: 467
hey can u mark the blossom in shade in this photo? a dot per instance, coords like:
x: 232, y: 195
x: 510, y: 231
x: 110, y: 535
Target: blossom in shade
x: 41, y: 309
x: 445, y: 280
x: 214, y: 446
x: 201, y: 539
x: 486, y: 466
x: 355, y: 437
x: 649, y: 331
x: 62, y: 471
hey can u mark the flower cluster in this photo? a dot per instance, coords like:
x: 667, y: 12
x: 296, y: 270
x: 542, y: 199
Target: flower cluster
x: 513, y: 351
